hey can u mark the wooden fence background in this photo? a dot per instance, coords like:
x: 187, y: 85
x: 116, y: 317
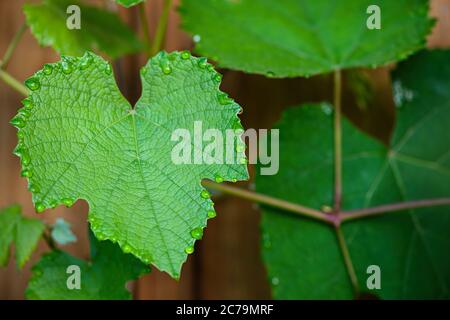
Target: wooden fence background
x: 227, y: 263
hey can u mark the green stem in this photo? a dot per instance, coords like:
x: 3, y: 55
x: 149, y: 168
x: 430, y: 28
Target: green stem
x: 49, y: 240
x: 12, y: 46
x: 270, y: 201
x: 379, y: 210
x: 347, y: 260
x: 161, y: 29
x: 337, y: 141
x: 145, y: 26
x: 13, y: 83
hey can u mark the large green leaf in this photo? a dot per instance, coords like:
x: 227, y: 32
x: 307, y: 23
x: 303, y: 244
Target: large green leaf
x: 100, y: 30
x: 129, y: 3
x: 81, y: 139
x: 411, y: 248
x: 102, y: 278
x: 304, y: 37
x: 23, y: 232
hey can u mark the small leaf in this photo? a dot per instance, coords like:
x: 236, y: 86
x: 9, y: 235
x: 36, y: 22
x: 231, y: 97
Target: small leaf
x: 100, y: 29
x: 102, y: 278
x: 24, y: 232
x: 62, y: 233
x: 411, y: 248
x: 292, y: 38
x: 129, y: 3
x: 85, y: 141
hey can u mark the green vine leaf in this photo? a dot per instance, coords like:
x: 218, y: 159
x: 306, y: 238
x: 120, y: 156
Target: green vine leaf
x: 23, y: 232
x: 79, y: 138
x: 129, y: 3
x: 411, y: 248
x: 300, y: 38
x: 102, y: 278
x: 100, y: 30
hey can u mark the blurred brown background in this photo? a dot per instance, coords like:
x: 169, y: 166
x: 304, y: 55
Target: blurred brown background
x: 227, y: 263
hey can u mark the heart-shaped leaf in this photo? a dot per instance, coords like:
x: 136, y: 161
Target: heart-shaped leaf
x: 23, y: 232
x: 99, y: 29
x: 299, y: 38
x: 81, y: 139
x: 411, y: 248
x: 102, y: 278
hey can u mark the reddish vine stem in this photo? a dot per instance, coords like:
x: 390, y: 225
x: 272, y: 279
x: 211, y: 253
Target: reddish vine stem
x: 145, y: 26
x: 270, y: 201
x: 379, y: 210
x: 337, y: 141
x: 160, y: 34
x: 347, y: 261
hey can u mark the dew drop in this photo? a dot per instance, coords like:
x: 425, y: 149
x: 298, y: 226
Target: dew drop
x: 234, y: 180
x: 243, y: 161
x: 218, y: 179
x: 189, y: 250
x: 34, y: 188
x: 224, y: 99
x: 53, y: 204
x: 126, y: 248
x: 25, y: 112
x: 202, y: 63
x: 26, y: 173
x: 20, y: 134
x: 326, y: 209
x: 212, y: 214
x: 48, y: 69
x: 217, y: 78
x: 108, y: 69
x: 185, y: 55
x: 144, y: 71
x: 165, y: 67
x: 197, y: 233
x: 67, y: 67
x: 27, y: 103
x: 270, y: 74
x: 39, y: 207
x: 100, y: 236
x: 205, y: 194
x: 18, y: 122
x: 275, y: 281
x: 33, y: 84
x: 26, y: 159
x: 197, y: 38
x: 85, y: 62
x: 67, y: 202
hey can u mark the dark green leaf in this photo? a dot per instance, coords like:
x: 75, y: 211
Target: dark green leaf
x: 411, y: 248
x: 299, y: 38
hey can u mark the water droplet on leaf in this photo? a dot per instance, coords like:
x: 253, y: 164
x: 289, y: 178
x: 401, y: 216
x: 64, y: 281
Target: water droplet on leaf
x: 27, y: 103
x: 189, y: 250
x: 67, y: 202
x: 48, y: 69
x: 18, y: 122
x: 26, y: 173
x: 212, y: 214
x: 197, y: 233
x: 66, y: 67
x: 202, y: 63
x: 205, y: 194
x: 33, y: 84
x: 196, y: 38
x: 218, y: 179
x: 39, y: 207
x: 275, y: 281
x: 26, y: 159
x: 126, y: 248
x: 185, y: 55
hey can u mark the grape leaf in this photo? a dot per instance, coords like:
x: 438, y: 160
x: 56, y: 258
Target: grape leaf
x: 62, y: 233
x: 24, y: 232
x: 100, y: 30
x: 299, y: 38
x: 81, y: 139
x: 129, y: 3
x: 102, y: 278
x: 411, y: 248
